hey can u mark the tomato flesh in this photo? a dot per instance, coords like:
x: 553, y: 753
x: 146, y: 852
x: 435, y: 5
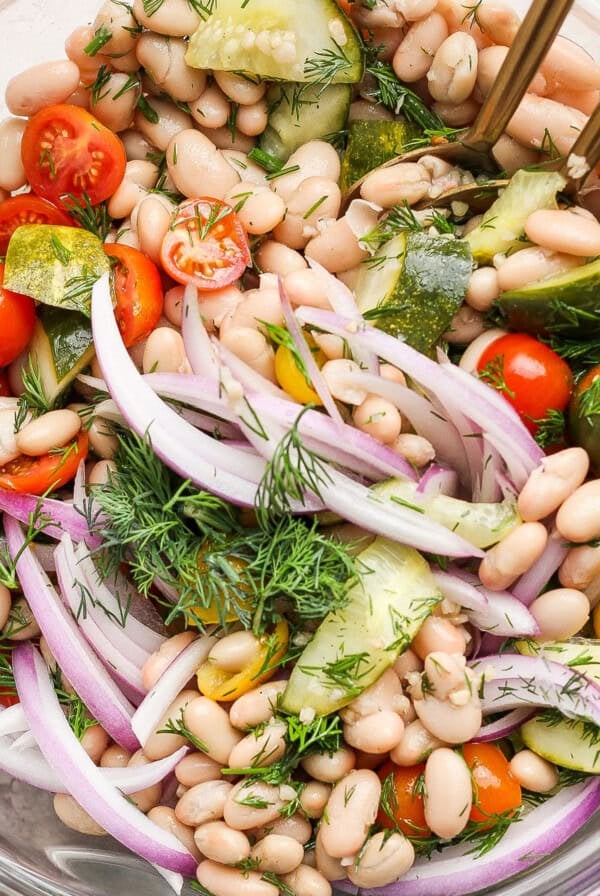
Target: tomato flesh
x: 405, y: 799
x: 138, y: 291
x: 38, y: 475
x: 532, y: 377
x: 65, y: 150
x: 495, y: 790
x: 17, y: 322
x: 27, y: 209
x: 205, y: 245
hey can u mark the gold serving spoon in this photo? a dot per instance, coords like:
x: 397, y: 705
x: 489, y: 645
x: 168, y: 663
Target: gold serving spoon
x: 473, y: 148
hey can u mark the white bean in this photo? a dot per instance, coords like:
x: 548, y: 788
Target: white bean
x: 151, y: 219
x: 560, y: 613
x: 551, y: 483
x: 274, y: 257
x: 160, y: 745
x: 258, y: 208
x: 378, y: 733
x: 234, y: 651
x: 12, y: 172
x: 580, y: 567
x: 165, y: 352
x: 218, y: 842
x: 438, y: 634
x: 489, y: 64
x: 40, y: 86
x: 448, y: 722
x: 383, y: 860
x: 210, y: 723
x: 415, y: 53
x: 164, y: 60
x: 252, y: 120
x: 416, y: 745
x: 203, y: 802
x: 222, y: 881
x: 277, y: 854
x: 75, y: 817
x: 533, y: 772
x: 537, y: 117
x: 55, y: 429
x: 95, y: 741
x: 260, y: 748
x: 147, y: 798
x: 211, y: 108
x: 532, y: 264
x: 256, y: 706
x: 350, y: 811
x: 453, y: 72
x: 295, y: 826
x: 174, y: 17
x: 448, y: 793
x: 313, y: 159
x: 196, y: 768
x: 5, y: 605
x: 197, y: 166
x: 513, y: 556
x: 331, y: 869
x: 171, y: 121
x: 578, y: 519
x: 252, y: 804
x: 307, y: 881
x: 21, y: 624
x: 568, y: 65
x: 156, y: 664
x: 330, y: 767
x: 571, y: 231
x: 313, y: 798
x: 240, y: 89
x: 405, y: 182
x: 483, y: 288
x: 166, y: 819
x: 116, y: 105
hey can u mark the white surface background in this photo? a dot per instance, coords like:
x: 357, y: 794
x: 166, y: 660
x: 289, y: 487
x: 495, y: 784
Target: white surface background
x: 34, y: 30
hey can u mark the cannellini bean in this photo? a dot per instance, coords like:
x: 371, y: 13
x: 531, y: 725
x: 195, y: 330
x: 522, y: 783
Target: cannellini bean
x: 568, y: 65
x: 572, y: 231
x: 55, y: 429
x: 383, y: 694
x: 578, y: 519
x: 166, y: 819
x: 416, y: 745
x: 21, y: 624
x: 260, y: 748
x: 210, y: 723
x: 483, y: 288
x: 413, y: 10
x: 252, y: 347
x: 233, y: 652
x: 413, y: 58
x: 211, y: 108
x: 165, y: 352
x: 474, y: 351
x: 407, y: 662
x: 223, y: 881
x: 351, y: 810
x: 532, y: 264
x: 12, y: 172
x: 513, y: 556
x: 378, y: 733
x: 140, y: 176
x: 148, y: 798
x: 551, y: 483
x: 417, y: 450
x: 197, y: 166
x: 511, y: 156
x: 337, y: 247
x: 259, y: 305
x: 379, y: 418
x: 226, y: 138
x: 330, y: 767
x: 450, y: 723
x: 467, y: 324
x: 453, y: 71
x: 9, y: 448
x: 5, y: 605
x: 405, y: 182
x: 119, y: 21
x: 95, y: 741
x: 126, y: 63
x: 103, y: 441
x: 380, y: 15
x: 499, y: 21
x: 490, y: 63
x: 75, y: 817
x: 256, y: 706
x: 364, y: 110
x: 157, y: 663
x: 173, y: 307
x: 101, y: 472
x: 313, y: 798
x: 259, y: 209
x: 438, y: 634
x: 560, y: 613
x: 383, y: 860
x: 448, y: 793
x: 457, y: 115
x: 305, y: 287
x: 274, y: 257
x: 151, y: 219
x: 203, y: 802
x: 295, y: 826
x: 580, y: 567
x: 331, y: 869
x: 584, y: 100
x: 175, y: 18
x: 218, y: 842
x: 116, y: 105
x: 240, y: 89
x: 75, y: 45
x: 40, y: 86
x: 533, y: 772
x: 160, y: 745
x: 164, y: 60
x: 242, y: 811
x: 537, y: 116
x: 307, y: 881
x: 335, y: 373
x: 196, y: 768
x: 115, y: 756
x: 277, y: 853
x: 171, y: 121
x: 313, y: 159
x: 136, y: 145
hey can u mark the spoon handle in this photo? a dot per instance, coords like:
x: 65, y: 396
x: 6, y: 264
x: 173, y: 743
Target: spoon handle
x: 529, y: 47
x: 587, y: 146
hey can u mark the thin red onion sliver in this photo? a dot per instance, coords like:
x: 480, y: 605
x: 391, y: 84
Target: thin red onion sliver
x: 505, y: 725
x: 458, y: 591
x: 86, y: 783
x: 503, y: 615
x: 246, y: 375
x: 437, y: 480
x: 541, y: 832
x: 72, y: 652
x: 149, y: 713
x: 12, y: 720
x: 196, y: 340
x: 191, y: 453
x: 65, y: 518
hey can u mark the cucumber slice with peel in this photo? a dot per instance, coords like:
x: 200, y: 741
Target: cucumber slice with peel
x: 354, y: 645
x: 296, y: 40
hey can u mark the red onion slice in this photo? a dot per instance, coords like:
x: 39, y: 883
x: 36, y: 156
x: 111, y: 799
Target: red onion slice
x: 86, y: 783
x: 196, y: 340
x: 502, y: 614
x: 504, y: 726
x: 65, y: 517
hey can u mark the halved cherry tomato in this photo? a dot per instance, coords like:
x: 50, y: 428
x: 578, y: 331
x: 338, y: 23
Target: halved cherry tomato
x: 27, y: 209
x: 5, y: 390
x: 17, y: 320
x: 67, y: 150
x: 138, y: 290
x: 225, y: 686
x: 532, y: 377
x: 495, y: 790
x: 38, y: 475
x: 403, y: 796
x: 291, y: 378
x: 205, y: 245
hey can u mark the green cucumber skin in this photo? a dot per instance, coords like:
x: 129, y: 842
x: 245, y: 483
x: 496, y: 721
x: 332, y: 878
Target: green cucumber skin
x: 62, y: 345
x: 322, y: 113
x: 371, y: 143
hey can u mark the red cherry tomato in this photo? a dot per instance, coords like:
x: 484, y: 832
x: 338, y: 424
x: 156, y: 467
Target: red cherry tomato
x: 17, y: 320
x: 532, y: 377
x: 138, y: 290
x: 66, y: 150
x: 5, y: 390
x: 495, y: 790
x: 205, y: 245
x: 403, y: 796
x: 37, y: 475
x: 27, y: 209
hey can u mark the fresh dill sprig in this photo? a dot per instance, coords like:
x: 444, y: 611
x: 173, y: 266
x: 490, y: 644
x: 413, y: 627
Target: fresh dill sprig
x: 94, y: 218
x: 589, y: 400
x: 179, y: 727
x: 397, y: 97
x: 551, y: 428
x: 32, y: 400
x: 399, y: 219
x: 493, y: 374
x: 102, y: 36
x: 76, y: 712
x: 578, y: 352
x: 326, y: 65
x: 98, y: 85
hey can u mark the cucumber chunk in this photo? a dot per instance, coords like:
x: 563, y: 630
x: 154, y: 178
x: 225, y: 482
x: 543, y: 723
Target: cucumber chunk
x: 61, y: 346
x: 302, y: 112
x: 55, y: 265
x: 414, y: 286
x: 568, y: 304
x: 582, y: 654
x: 483, y: 524
x: 564, y: 742
x: 299, y: 40
x: 502, y: 226
x: 371, y: 143
x: 354, y: 645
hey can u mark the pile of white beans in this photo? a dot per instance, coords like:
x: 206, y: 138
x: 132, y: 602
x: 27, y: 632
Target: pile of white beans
x: 451, y: 62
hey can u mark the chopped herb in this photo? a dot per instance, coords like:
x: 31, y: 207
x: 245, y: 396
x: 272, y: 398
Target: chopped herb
x: 102, y: 36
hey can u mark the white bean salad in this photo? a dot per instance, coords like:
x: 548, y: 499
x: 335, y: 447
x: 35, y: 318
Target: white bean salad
x: 300, y: 564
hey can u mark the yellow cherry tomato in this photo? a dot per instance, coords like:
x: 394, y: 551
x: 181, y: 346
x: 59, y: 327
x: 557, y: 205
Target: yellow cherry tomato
x: 291, y: 379
x: 596, y: 620
x: 221, y: 685
x: 211, y: 615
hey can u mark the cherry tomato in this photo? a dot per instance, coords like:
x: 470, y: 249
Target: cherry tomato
x: 5, y: 390
x: 495, y: 790
x: 138, y: 290
x: 17, y: 320
x: 596, y: 620
x: 38, y: 475
x: 67, y: 150
x: 532, y: 377
x: 584, y: 415
x: 27, y: 209
x: 205, y: 245
x: 404, y: 799
x: 225, y: 686
x: 291, y: 378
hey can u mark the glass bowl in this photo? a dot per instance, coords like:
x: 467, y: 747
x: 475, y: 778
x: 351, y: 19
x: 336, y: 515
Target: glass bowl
x: 38, y: 855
